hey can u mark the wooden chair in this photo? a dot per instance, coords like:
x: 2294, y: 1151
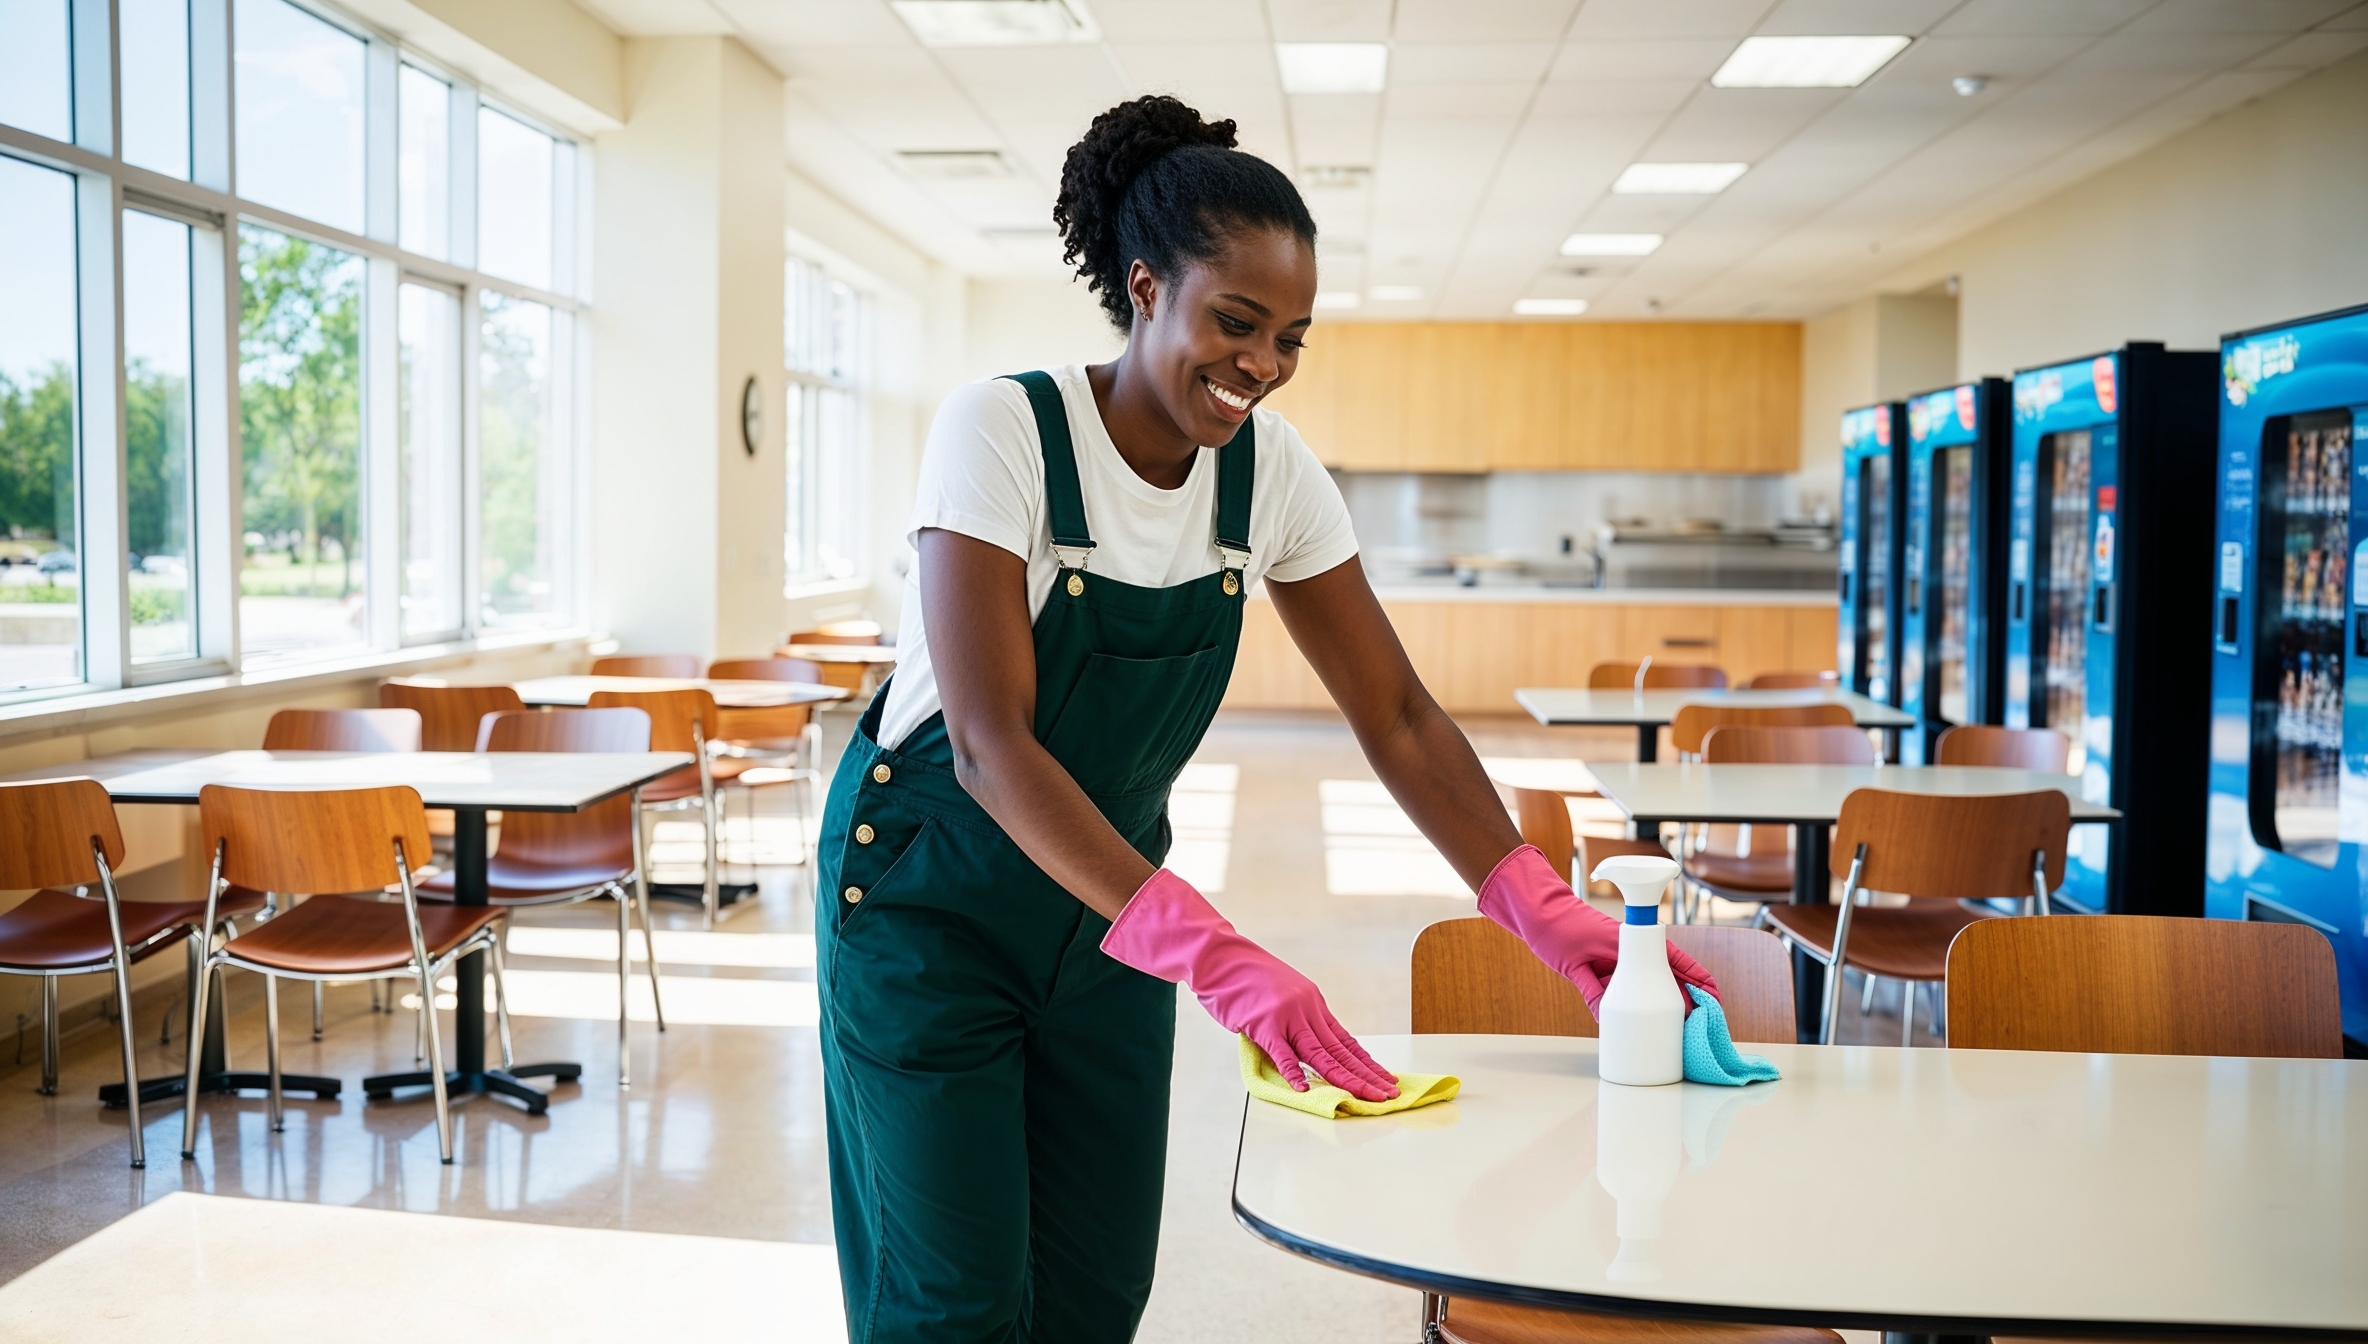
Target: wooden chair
x: 1745, y: 863
x: 2145, y: 985
x: 783, y: 743
x: 1654, y: 676
x: 1472, y: 977
x: 1692, y: 722
x: 1940, y: 851
x: 449, y: 716
x: 62, y: 833
x: 1829, y: 744
x: 1794, y: 681
x: 1544, y: 818
x: 321, y: 843
x: 838, y: 632
x: 343, y: 730
x: 684, y: 721
x: 681, y: 665
x: 559, y: 858
x: 2042, y: 749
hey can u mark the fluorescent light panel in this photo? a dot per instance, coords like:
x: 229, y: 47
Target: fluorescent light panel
x: 1677, y: 179
x: 1806, y: 62
x: 1333, y: 67
x: 1397, y: 293
x: 1336, y: 300
x: 1535, y: 308
x: 1610, y: 244
x: 996, y: 23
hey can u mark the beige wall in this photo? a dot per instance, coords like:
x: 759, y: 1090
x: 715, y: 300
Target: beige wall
x: 750, y: 501
x: 1014, y: 325
x: 1878, y: 348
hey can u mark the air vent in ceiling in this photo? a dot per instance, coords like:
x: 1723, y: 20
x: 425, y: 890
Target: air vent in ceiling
x: 950, y: 163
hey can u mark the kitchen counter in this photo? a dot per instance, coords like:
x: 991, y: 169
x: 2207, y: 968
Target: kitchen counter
x: 1446, y: 591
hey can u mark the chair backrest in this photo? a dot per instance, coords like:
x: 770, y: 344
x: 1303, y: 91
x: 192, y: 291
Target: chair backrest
x: 1829, y: 744
x: 343, y: 730
x: 46, y: 829
x: 1545, y: 822
x: 1472, y: 977
x: 304, y: 842
x: 1794, y: 681
x: 2145, y: 985
x: 838, y: 632
x: 2042, y: 749
x: 1957, y: 847
x: 618, y: 729
x: 647, y: 665
x: 449, y: 716
x: 766, y: 669
x: 599, y: 836
x: 1659, y: 676
x: 672, y: 715
x: 1692, y: 722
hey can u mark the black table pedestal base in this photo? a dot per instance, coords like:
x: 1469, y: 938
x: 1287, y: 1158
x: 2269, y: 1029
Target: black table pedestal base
x: 165, y: 1089
x: 499, y: 1082
x: 1812, y: 884
x: 1648, y: 743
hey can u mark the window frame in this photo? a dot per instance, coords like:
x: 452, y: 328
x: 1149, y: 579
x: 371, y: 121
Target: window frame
x: 855, y: 383
x: 106, y: 186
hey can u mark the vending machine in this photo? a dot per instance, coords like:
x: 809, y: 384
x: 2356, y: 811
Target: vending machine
x: 2108, y: 586
x: 2289, y: 765
x: 1952, y: 662
x: 1874, y: 486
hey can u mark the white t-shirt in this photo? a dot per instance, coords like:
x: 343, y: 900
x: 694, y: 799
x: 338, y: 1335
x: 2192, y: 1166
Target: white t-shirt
x: 982, y: 475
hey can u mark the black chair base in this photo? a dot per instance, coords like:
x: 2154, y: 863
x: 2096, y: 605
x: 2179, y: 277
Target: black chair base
x: 161, y: 1089
x: 499, y: 1082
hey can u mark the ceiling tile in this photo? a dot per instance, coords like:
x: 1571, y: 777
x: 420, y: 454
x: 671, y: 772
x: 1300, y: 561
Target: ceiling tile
x: 2310, y: 51
x: 888, y: 116
x: 2354, y: 19
x: 1172, y: 20
x: 818, y: 23
x: 1503, y: 101
x: 1329, y: 20
x: 1173, y: 65
x: 1463, y: 62
x: 1620, y: 60
x: 1585, y: 98
x: 900, y: 63
x: 1661, y: 18
x: 660, y: 18
x: 999, y: 69
x: 1792, y: 18
x: 2067, y: 17
x: 1738, y: 125
x: 2194, y: 53
x: 1483, y: 20
x: 2236, y: 16
x: 1335, y: 128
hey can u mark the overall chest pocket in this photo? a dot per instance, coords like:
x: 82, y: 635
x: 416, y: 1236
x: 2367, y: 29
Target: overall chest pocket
x: 1132, y: 723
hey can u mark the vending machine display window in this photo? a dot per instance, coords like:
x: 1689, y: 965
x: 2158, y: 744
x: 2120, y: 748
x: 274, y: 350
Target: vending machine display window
x: 2064, y: 587
x: 1874, y: 607
x: 1956, y: 580
x: 2304, y: 550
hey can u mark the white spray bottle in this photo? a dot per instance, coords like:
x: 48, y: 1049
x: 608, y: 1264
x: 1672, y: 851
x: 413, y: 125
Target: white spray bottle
x: 1641, y: 1020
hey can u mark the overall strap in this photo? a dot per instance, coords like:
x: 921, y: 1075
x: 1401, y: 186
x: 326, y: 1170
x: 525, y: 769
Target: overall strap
x: 1237, y: 467
x: 1064, y: 499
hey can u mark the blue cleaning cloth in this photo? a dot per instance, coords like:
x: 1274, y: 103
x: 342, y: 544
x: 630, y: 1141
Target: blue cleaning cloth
x: 1711, y: 1056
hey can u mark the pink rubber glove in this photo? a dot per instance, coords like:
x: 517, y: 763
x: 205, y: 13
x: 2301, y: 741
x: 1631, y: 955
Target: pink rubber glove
x: 1576, y: 939
x: 1171, y: 931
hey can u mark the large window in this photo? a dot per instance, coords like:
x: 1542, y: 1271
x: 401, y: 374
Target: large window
x: 304, y: 383
x: 825, y: 343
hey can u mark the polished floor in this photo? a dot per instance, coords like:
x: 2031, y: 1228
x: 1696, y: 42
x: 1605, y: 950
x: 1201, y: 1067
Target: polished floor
x: 713, y: 1160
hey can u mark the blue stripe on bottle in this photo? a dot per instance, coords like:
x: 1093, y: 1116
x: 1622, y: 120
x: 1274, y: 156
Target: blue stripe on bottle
x: 1643, y: 914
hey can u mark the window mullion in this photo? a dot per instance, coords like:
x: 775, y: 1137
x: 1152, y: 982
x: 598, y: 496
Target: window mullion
x: 104, y: 522
x: 96, y: 110
x: 382, y: 547
x: 463, y: 163
x: 214, y: 429
x: 381, y: 67
x: 472, y: 510
x: 210, y: 76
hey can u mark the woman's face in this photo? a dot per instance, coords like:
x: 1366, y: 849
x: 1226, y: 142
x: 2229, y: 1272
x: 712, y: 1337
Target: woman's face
x: 1227, y: 332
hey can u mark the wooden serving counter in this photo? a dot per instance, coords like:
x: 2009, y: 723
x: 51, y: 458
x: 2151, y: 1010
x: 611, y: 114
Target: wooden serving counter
x: 1472, y: 650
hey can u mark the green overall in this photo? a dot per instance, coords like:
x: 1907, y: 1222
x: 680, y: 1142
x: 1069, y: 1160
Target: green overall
x: 996, y: 1087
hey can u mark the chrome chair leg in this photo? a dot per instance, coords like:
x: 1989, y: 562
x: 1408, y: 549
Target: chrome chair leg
x: 319, y: 1003
x: 192, y: 1041
x: 501, y: 1003
x: 378, y: 996
x: 1907, y: 1013
x: 707, y: 892
x: 649, y: 950
x: 427, y: 1009
x: 1434, y: 1317
x: 1866, y: 1000
x: 131, y: 1060
x: 49, y: 1035
x: 1839, y: 959
x: 624, y: 981
x: 271, y: 1048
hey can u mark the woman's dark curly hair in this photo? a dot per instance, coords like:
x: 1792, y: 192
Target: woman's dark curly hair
x: 1153, y: 182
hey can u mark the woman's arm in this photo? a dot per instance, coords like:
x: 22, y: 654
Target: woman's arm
x: 1417, y: 750
x: 974, y: 602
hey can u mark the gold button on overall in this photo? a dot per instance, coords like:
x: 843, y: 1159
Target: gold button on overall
x: 881, y: 774
x: 854, y: 894
x: 1076, y: 585
x: 863, y: 835
x: 1233, y: 583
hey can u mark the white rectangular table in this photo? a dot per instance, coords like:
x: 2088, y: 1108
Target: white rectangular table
x: 1936, y: 1192
x: 1649, y: 711
x: 576, y: 692
x: 467, y: 783
x: 1807, y: 798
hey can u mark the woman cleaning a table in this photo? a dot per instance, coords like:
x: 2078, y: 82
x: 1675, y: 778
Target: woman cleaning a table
x: 996, y: 936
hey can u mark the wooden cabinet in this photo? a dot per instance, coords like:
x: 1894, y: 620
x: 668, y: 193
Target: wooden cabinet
x: 1512, y: 396
x: 1474, y: 654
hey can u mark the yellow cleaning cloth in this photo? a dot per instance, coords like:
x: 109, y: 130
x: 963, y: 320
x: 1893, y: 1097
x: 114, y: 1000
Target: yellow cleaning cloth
x: 1321, y: 1098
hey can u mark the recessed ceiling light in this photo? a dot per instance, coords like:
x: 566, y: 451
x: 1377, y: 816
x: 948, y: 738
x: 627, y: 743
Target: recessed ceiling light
x: 1677, y: 179
x: 1332, y: 67
x: 1549, y: 307
x: 996, y: 23
x: 1610, y: 244
x: 1337, y: 299
x: 1806, y: 62
x: 1397, y: 293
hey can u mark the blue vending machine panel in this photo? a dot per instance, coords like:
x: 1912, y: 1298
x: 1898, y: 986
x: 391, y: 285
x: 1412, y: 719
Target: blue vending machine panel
x: 1874, y: 490
x: 2289, y: 766
x: 1952, y: 659
x: 2108, y: 564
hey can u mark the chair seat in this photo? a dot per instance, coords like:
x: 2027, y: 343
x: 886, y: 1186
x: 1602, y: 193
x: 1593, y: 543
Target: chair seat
x: 683, y: 783
x: 57, y: 930
x: 1909, y: 942
x: 1472, y: 1321
x: 524, y: 882
x: 339, y: 935
x: 1766, y: 871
